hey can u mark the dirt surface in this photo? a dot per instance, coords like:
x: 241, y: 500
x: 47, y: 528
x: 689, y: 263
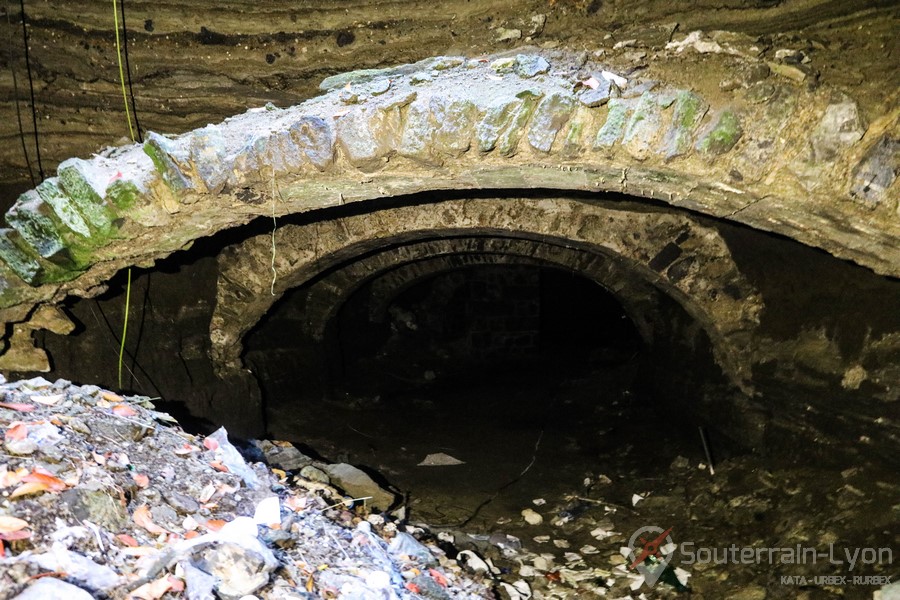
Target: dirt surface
x: 598, y: 464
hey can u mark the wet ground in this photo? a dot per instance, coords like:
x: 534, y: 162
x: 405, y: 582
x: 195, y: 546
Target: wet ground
x: 577, y: 451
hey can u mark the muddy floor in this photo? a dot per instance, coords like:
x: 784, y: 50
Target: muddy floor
x: 592, y: 466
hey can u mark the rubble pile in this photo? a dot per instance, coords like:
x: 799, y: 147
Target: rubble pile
x: 105, y: 497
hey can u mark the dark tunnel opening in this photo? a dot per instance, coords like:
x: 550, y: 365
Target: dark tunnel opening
x: 504, y: 367
x: 475, y: 324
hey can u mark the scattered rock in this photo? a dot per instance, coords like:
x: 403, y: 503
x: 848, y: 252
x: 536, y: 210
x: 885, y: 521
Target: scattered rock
x: 501, y: 34
x: 50, y: 587
x: 530, y: 65
x: 358, y: 484
x: 283, y: 455
x: 314, y: 474
x: 532, y: 517
x: 440, y: 460
x: 791, y: 72
x: 240, y: 570
x: 182, y: 503
x: 841, y: 126
x: 113, y: 513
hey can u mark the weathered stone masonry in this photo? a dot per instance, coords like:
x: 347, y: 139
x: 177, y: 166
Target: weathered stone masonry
x: 764, y: 152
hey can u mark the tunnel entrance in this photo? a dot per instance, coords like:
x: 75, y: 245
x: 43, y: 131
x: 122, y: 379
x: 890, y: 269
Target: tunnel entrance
x: 527, y: 374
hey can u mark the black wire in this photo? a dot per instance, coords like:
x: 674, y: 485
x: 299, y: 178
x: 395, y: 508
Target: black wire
x: 37, y: 147
x: 12, y: 67
x: 137, y: 125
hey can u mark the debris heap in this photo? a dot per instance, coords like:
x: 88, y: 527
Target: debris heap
x: 105, y: 497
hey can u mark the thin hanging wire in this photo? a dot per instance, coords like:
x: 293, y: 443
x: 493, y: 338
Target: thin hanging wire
x: 37, y: 146
x: 15, y: 80
x: 134, y: 112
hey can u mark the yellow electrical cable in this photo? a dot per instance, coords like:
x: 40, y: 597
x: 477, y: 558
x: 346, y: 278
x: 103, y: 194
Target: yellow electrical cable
x: 131, y: 133
x: 121, y: 70
x: 124, y: 326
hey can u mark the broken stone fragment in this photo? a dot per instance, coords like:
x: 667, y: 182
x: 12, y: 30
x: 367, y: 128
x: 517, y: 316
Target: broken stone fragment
x: 314, y: 474
x: 93, y: 503
x: 240, y: 569
x: 530, y: 65
x: 593, y: 97
x: 50, y: 587
x: 286, y: 457
x: 507, y: 35
x: 358, y: 484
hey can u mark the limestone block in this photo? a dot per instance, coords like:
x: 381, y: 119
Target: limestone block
x: 549, y: 117
x: 688, y: 112
x: 22, y: 355
x: 643, y: 127
x: 166, y: 155
x: 722, y: 134
x: 841, y: 126
x: 616, y: 119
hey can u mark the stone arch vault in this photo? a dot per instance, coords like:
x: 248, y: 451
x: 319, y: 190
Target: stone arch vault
x: 764, y: 151
x: 623, y: 246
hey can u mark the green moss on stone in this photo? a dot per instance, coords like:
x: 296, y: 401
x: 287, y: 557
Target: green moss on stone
x: 644, y: 111
x: 35, y: 222
x: 24, y: 261
x: 13, y: 289
x: 122, y: 194
x: 64, y: 207
x: 488, y: 130
x: 96, y: 213
x: 165, y: 166
x: 689, y: 110
x: 723, y: 135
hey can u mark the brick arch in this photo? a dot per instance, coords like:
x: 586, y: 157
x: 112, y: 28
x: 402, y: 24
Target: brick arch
x: 678, y: 255
x: 767, y: 153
